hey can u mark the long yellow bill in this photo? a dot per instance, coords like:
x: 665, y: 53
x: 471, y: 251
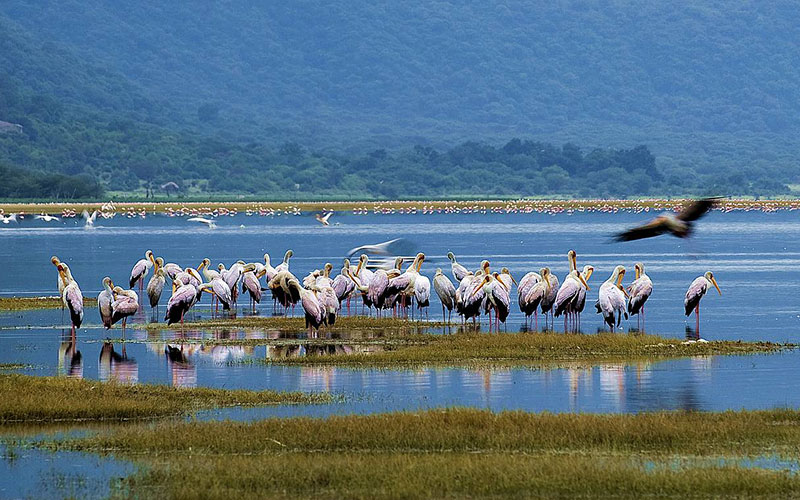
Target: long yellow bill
x: 715, y: 285
x: 582, y: 281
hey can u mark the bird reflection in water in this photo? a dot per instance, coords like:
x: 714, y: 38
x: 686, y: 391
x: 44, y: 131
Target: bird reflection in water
x: 117, y: 367
x: 223, y: 354
x: 692, y: 334
x: 285, y: 351
x: 184, y: 372
x: 70, y: 361
x: 315, y: 349
x: 612, y: 383
x: 317, y: 378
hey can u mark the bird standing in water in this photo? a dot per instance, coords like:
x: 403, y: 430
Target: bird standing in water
x: 638, y: 292
x: 696, y: 291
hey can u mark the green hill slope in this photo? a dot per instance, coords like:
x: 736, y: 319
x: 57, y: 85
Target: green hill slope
x: 300, y: 99
x: 699, y: 81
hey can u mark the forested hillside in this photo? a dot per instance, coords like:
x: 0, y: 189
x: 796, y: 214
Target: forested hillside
x: 282, y: 98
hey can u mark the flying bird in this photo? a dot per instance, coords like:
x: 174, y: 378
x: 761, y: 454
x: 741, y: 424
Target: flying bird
x: 8, y: 219
x: 679, y: 225
x: 208, y: 222
x: 89, y: 218
x: 47, y: 218
x: 323, y: 219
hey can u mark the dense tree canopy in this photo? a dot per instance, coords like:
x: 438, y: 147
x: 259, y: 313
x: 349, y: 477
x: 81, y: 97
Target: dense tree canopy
x: 314, y: 98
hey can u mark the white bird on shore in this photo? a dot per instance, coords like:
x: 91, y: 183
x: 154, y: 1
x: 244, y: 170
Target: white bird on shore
x: 612, y: 299
x: 208, y: 222
x: 459, y: 271
x: 639, y: 292
x: 447, y: 293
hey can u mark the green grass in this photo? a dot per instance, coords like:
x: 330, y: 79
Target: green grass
x: 459, y: 452
x: 27, y: 399
x: 532, y: 348
x: 29, y: 303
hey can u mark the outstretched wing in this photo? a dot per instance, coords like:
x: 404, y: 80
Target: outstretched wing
x: 655, y: 227
x: 697, y: 209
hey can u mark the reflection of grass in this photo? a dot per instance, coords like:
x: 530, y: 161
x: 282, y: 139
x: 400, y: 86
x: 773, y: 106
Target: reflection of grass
x: 343, y: 324
x: 48, y: 399
x: 534, y: 348
x: 13, y: 366
x: 460, y: 452
x: 29, y: 303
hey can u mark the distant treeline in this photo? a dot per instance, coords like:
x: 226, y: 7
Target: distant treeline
x: 18, y: 183
x: 200, y: 167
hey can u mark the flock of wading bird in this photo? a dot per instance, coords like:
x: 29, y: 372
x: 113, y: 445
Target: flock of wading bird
x: 481, y: 291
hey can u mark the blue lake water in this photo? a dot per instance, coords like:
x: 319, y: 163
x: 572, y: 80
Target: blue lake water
x: 754, y: 256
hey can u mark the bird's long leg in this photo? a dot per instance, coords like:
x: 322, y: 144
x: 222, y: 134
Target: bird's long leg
x: 536, y: 320
x: 697, y: 320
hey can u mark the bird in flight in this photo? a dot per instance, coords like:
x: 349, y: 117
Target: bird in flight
x: 47, y: 217
x: 89, y: 218
x: 679, y: 225
x: 323, y: 219
x: 208, y: 222
x: 6, y: 219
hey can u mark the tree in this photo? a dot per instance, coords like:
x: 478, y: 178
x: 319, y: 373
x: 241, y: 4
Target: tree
x: 208, y: 112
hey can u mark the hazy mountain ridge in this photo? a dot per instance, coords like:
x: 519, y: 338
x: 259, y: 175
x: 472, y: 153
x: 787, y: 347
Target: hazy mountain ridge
x: 465, y: 70
x: 133, y: 92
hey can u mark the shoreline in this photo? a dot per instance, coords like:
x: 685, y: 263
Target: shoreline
x: 178, y: 207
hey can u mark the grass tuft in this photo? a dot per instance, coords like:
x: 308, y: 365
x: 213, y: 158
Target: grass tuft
x: 30, y: 303
x: 460, y: 452
x: 533, y: 348
x: 50, y: 399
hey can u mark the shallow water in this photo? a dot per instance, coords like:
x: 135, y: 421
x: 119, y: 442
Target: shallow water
x: 754, y: 256
x: 32, y: 473
x: 166, y: 357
